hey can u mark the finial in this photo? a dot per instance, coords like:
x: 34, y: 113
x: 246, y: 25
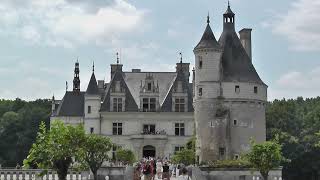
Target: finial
x: 92, y: 66
x: 66, y: 86
x: 208, y: 18
x: 117, y: 58
x: 180, y: 57
x: 229, y: 3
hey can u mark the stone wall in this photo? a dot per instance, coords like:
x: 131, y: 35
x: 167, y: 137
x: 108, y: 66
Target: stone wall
x: 232, y: 174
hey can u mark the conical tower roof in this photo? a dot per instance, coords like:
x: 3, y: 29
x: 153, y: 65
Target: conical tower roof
x: 208, y: 39
x: 93, y: 86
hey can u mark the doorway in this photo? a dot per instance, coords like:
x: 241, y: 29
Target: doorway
x: 149, y: 151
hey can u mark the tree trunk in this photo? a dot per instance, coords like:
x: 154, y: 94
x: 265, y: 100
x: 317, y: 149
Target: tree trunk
x: 265, y: 176
x: 95, y: 174
x: 62, y: 174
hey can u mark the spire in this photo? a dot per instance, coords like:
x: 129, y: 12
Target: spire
x: 180, y: 57
x: 117, y: 57
x: 92, y: 86
x: 228, y: 19
x: 76, y: 78
x: 208, y: 39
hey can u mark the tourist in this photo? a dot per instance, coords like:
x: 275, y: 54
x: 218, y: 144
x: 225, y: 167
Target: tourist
x: 159, y: 169
x: 147, y: 171
x: 137, y: 172
x: 178, y: 170
x: 165, y: 173
x: 184, y: 175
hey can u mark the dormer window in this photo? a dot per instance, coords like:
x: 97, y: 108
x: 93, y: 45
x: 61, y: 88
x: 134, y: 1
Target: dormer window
x: 117, y: 104
x: 179, y: 105
x: 149, y: 104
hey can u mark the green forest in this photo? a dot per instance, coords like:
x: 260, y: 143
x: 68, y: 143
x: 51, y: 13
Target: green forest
x: 295, y: 122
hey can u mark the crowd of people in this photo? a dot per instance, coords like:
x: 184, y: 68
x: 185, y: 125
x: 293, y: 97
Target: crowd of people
x: 156, y: 169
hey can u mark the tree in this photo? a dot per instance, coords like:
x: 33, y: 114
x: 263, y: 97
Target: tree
x: 125, y: 155
x: 94, y: 152
x: 265, y: 156
x: 56, y: 148
x: 185, y: 156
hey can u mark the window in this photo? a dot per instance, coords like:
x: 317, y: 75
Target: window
x: 114, y: 150
x: 179, y: 129
x: 200, y: 91
x: 149, y: 86
x: 255, y: 90
x: 89, y: 109
x: 149, y: 129
x: 237, y: 89
x: 152, y: 104
x: 178, y: 148
x: 235, y: 122
x: 200, y: 62
x: 91, y: 130
x: 117, y: 104
x: 179, y: 105
x: 149, y: 104
x: 243, y: 177
x: 117, y: 128
x: 222, y: 151
x: 236, y: 156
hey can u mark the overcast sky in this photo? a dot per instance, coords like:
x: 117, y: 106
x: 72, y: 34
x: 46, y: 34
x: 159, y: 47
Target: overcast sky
x: 41, y: 39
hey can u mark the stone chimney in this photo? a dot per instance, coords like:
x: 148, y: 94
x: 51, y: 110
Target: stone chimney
x: 115, y: 68
x: 245, y: 38
x: 185, y: 69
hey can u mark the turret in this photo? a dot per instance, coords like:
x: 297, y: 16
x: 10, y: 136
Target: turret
x: 116, y: 67
x: 76, y: 78
x: 92, y: 106
x: 228, y: 20
x: 208, y: 54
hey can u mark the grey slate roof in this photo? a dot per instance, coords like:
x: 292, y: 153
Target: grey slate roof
x: 130, y: 103
x: 167, y: 104
x: 164, y: 79
x: 208, y: 40
x: 72, y: 104
x: 236, y: 63
x: 93, y: 86
x: 229, y: 11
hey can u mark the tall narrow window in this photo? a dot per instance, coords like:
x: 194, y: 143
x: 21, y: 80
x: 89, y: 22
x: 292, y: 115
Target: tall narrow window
x: 200, y: 62
x: 179, y: 129
x: 255, y: 90
x: 149, y: 86
x: 237, y: 89
x: 117, y: 104
x: 114, y: 150
x: 89, y: 109
x: 235, y: 122
x: 179, y: 105
x: 222, y: 151
x: 117, y: 128
x: 200, y: 91
x: 91, y: 130
x: 152, y: 104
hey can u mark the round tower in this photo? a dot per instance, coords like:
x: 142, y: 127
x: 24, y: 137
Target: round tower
x: 92, y: 107
x: 210, y: 130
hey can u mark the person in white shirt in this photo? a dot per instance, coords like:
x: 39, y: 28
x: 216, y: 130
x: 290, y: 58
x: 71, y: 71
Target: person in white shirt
x: 159, y: 169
